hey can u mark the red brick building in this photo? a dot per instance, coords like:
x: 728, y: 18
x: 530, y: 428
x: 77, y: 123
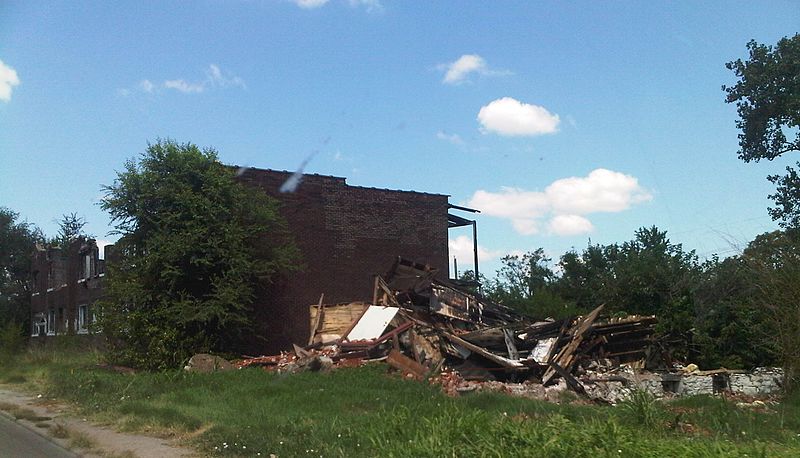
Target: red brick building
x: 347, y: 235
x: 66, y: 284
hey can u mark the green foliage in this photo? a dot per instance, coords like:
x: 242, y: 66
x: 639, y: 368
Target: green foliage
x: 17, y: 242
x: 70, y: 228
x: 365, y: 412
x: 648, y: 275
x: 12, y: 341
x: 195, y: 245
x: 733, y: 330
x: 767, y: 97
x: 774, y: 262
x: 642, y: 408
x: 525, y: 283
x: 521, y: 277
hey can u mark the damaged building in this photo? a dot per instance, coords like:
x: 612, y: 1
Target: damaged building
x: 66, y: 284
x: 347, y: 235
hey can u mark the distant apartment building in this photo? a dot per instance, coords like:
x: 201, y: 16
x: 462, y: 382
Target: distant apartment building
x: 67, y: 282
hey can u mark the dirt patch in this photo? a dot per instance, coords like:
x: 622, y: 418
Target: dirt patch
x: 49, y: 418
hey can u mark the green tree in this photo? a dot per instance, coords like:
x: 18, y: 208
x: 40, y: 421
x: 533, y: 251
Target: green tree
x: 525, y: 283
x: 194, y: 246
x: 17, y: 243
x: 587, y: 278
x: 521, y: 277
x: 648, y: 275
x: 767, y: 97
x: 773, y: 261
x: 652, y: 273
x: 732, y: 329
x: 70, y: 228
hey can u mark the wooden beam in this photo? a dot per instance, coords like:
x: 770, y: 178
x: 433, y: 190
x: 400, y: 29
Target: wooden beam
x: 566, y: 356
x: 320, y: 311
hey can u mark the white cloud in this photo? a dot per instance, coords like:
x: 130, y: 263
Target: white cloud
x: 146, y: 86
x: 569, y: 225
x: 183, y: 86
x: 511, y: 203
x: 463, y: 249
x: 372, y: 6
x: 601, y: 191
x: 216, y: 77
x: 563, y: 203
x: 8, y: 79
x: 309, y: 4
x: 459, y: 71
x: 525, y: 226
x: 452, y: 138
x: 508, y: 116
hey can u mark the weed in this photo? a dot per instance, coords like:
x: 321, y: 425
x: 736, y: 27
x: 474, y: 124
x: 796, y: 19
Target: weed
x: 642, y: 408
x: 80, y: 441
x: 59, y: 431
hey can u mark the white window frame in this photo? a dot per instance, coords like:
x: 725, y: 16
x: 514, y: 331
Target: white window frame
x: 39, y: 325
x: 51, y: 322
x: 82, y: 325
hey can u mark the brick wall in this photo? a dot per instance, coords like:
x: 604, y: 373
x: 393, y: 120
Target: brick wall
x: 61, y: 285
x: 347, y: 235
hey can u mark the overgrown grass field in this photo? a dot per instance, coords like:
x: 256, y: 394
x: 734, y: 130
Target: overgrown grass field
x: 368, y: 412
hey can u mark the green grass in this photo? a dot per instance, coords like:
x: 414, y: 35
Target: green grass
x: 367, y: 412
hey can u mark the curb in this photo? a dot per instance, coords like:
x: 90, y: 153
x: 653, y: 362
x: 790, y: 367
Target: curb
x: 38, y: 431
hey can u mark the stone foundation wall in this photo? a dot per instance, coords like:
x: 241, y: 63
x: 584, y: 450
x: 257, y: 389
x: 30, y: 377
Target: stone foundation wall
x: 761, y: 382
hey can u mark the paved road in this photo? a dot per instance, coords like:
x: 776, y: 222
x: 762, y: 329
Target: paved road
x: 18, y: 441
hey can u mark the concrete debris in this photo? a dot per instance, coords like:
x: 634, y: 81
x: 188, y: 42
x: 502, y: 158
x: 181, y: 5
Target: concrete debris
x: 430, y: 329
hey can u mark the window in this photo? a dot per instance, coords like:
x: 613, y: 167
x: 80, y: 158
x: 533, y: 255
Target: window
x: 51, y: 322
x: 87, y: 268
x: 83, y: 319
x: 39, y: 325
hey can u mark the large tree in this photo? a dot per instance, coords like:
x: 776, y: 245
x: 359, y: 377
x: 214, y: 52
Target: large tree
x: 773, y: 261
x: 195, y: 244
x: 767, y: 97
x: 17, y: 242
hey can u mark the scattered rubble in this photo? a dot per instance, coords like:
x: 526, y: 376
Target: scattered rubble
x: 429, y: 329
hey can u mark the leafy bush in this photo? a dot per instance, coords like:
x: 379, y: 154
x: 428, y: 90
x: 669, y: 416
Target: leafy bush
x: 12, y: 340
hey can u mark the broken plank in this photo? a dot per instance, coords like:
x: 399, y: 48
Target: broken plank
x: 565, y: 357
x: 406, y: 365
x: 505, y: 362
x: 320, y: 312
x: 512, y: 349
x: 571, y: 381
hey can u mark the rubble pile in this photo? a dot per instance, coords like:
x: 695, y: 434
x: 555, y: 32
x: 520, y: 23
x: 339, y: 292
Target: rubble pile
x: 429, y: 329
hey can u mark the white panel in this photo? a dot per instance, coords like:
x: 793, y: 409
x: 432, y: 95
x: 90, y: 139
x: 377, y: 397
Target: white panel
x: 372, y: 323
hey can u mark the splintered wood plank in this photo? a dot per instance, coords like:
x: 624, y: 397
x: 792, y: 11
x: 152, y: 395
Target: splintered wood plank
x: 566, y: 356
x: 512, y: 349
x: 320, y: 313
x: 406, y: 365
x: 505, y: 362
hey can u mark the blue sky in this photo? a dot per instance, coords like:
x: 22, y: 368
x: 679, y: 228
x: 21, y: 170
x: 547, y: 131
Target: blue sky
x: 562, y: 122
